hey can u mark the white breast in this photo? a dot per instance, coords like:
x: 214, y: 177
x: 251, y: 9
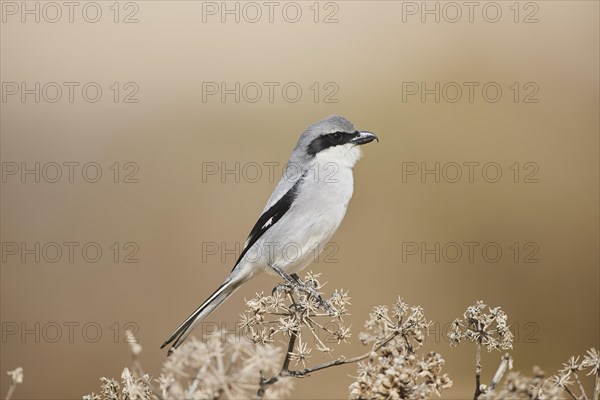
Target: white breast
x: 298, y: 238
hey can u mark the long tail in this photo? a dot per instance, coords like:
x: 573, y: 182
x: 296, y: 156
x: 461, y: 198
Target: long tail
x: 218, y: 297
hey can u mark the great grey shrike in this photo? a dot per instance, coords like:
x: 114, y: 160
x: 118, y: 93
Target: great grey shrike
x: 305, y: 209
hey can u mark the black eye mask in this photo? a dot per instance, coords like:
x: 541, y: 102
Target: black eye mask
x: 324, y: 142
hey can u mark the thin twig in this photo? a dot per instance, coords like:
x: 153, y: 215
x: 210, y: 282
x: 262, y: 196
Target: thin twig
x: 570, y: 393
x: 339, y: 361
x: 504, y: 365
x: 286, y: 361
x: 11, y: 390
x: 477, y: 370
x: 342, y: 360
x: 192, y: 388
x: 16, y: 377
x: 261, y: 386
x: 583, y: 395
x: 263, y: 383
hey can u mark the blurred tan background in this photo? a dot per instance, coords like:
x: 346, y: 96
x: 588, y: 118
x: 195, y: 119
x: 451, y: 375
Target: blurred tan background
x: 171, y: 134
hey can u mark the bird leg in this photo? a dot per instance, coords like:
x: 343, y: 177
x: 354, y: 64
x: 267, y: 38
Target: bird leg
x: 293, y: 281
x: 286, y: 287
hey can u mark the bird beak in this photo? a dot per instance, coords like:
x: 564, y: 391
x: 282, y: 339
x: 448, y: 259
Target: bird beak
x: 364, y: 137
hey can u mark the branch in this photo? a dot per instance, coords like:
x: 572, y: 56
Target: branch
x: 583, y: 395
x: 504, y: 365
x: 11, y: 390
x: 477, y: 371
x: 570, y: 393
x: 291, y: 344
x: 263, y: 383
x: 192, y: 388
x: 306, y: 371
x: 16, y: 378
x: 342, y: 360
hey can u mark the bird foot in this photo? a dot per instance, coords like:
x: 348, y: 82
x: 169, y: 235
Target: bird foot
x: 296, y: 284
x: 285, y: 287
x: 323, y: 303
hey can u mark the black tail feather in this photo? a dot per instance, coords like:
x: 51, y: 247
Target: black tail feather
x: 215, y: 299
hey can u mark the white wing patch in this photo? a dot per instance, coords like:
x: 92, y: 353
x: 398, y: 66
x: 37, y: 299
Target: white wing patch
x: 269, y: 222
x: 265, y: 226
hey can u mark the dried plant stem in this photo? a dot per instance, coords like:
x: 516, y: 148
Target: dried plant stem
x: 138, y: 370
x: 192, y: 388
x: 570, y: 393
x: 583, y: 395
x: 285, y: 372
x: 286, y: 362
x: 261, y: 386
x: 504, y: 365
x: 477, y: 370
x: 11, y: 390
x: 597, y: 387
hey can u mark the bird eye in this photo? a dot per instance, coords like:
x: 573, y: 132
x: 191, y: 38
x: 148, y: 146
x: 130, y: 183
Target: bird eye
x: 336, y: 136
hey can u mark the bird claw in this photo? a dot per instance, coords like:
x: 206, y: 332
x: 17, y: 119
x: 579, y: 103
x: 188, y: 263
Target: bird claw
x: 294, y: 283
x: 316, y: 295
x: 286, y: 287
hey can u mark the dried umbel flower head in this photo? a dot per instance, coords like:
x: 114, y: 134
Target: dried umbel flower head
x: 520, y: 387
x: 221, y: 366
x: 305, y: 314
x: 16, y: 376
x: 402, y: 377
x: 226, y: 366
x: 592, y: 361
x: 408, y: 323
x: 568, y: 375
x: 129, y: 388
x: 397, y: 371
x: 488, y: 329
x: 517, y: 386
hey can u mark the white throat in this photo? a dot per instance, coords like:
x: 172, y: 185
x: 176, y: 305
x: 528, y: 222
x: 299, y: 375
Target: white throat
x: 344, y: 156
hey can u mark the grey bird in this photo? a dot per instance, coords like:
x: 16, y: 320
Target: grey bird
x: 303, y: 212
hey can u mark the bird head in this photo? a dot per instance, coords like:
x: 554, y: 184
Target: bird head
x: 333, y: 139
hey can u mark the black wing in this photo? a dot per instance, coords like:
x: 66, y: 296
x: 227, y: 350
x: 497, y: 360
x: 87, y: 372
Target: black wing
x: 270, y: 218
